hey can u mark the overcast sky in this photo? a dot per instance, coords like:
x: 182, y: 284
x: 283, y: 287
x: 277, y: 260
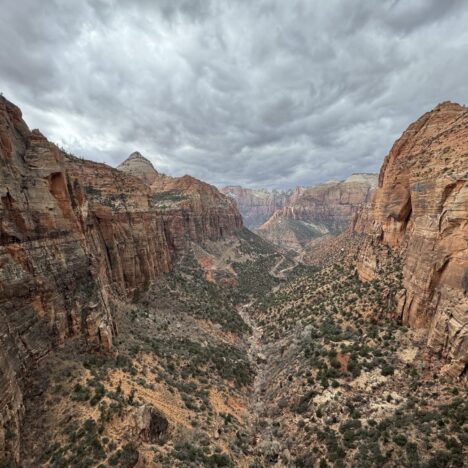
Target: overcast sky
x: 261, y: 93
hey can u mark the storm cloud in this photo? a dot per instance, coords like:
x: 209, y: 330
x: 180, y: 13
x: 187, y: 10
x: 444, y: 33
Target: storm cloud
x: 262, y: 93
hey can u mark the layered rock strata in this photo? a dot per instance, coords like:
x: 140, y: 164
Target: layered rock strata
x: 313, y: 212
x: 256, y: 205
x: 139, y: 166
x: 420, y: 210
x: 73, y: 235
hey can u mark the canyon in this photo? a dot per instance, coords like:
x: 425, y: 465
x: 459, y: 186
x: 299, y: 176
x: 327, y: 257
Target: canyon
x: 293, y: 218
x: 313, y: 212
x: 256, y: 205
x: 141, y: 324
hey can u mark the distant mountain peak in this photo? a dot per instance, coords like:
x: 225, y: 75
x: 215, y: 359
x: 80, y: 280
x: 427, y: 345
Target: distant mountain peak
x: 363, y: 178
x: 139, y: 166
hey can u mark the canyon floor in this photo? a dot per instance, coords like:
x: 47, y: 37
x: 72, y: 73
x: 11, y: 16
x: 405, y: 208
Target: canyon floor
x: 244, y: 356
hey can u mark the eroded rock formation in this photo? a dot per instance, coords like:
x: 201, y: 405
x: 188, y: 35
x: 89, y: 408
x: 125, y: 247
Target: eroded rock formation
x: 420, y: 210
x: 137, y: 165
x: 313, y: 212
x: 256, y: 205
x: 74, y: 234
x: 193, y: 210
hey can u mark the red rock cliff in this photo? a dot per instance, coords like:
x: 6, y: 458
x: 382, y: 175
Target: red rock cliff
x: 316, y: 211
x: 420, y: 210
x: 74, y: 233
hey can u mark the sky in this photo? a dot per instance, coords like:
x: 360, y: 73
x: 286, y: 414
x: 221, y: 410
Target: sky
x: 259, y: 93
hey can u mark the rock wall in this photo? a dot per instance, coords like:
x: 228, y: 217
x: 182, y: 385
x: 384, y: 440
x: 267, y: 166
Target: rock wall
x: 194, y: 210
x: 313, y: 212
x: 420, y: 210
x: 73, y: 234
x: 256, y: 205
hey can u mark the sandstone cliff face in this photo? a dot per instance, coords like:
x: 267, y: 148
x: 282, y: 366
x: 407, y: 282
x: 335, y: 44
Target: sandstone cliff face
x: 256, y: 206
x: 193, y: 210
x: 317, y: 211
x: 48, y: 288
x: 74, y: 234
x: 420, y: 210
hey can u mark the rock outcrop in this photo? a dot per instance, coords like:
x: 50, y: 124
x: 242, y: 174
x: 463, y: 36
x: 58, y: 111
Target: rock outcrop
x: 420, y: 211
x: 148, y: 424
x: 73, y: 235
x: 193, y: 210
x: 137, y: 165
x: 313, y: 212
x: 256, y: 205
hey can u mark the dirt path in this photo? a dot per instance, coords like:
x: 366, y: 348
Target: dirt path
x: 281, y: 273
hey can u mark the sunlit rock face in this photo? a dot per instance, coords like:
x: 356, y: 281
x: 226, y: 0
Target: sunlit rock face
x: 420, y: 210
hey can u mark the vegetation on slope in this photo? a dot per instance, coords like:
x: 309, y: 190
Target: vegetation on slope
x: 344, y: 386
x: 328, y: 379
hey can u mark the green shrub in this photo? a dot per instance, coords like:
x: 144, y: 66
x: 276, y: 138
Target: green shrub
x: 400, y: 440
x: 387, y: 369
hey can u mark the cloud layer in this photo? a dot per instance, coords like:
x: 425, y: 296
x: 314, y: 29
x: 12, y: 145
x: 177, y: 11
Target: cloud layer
x: 265, y: 93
